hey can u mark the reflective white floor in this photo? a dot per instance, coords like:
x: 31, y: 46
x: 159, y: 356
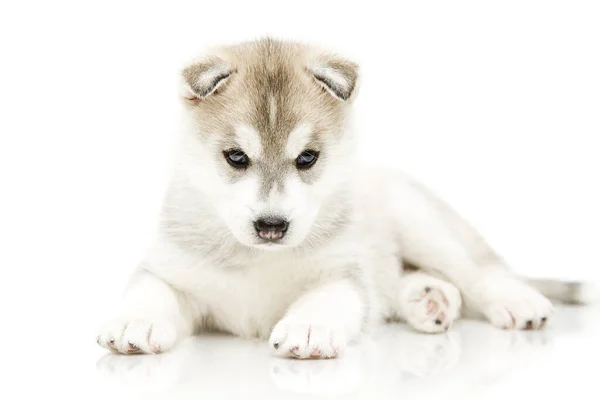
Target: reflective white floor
x: 472, y: 361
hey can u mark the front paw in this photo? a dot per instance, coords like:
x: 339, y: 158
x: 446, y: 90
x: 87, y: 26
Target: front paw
x: 514, y: 305
x: 137, y: 335
x: 301, y: 339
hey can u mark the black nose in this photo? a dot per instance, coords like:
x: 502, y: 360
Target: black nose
x: 271, y: 228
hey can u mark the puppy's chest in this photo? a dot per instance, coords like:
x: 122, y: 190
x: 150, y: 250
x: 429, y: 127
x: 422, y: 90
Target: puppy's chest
x: 249, y: 300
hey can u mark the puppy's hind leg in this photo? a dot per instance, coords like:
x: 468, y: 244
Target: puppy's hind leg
x: 438, y: 241
x: 426, y: 303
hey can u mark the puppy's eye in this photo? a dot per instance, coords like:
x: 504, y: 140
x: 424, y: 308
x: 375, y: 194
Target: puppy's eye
x: 307, y: 159
x: 236, y: 158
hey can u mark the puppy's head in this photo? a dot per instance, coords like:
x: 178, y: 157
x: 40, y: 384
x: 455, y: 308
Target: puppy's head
x: 268, y: 141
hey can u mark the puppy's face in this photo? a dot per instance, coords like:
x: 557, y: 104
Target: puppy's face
x: 268, y: 138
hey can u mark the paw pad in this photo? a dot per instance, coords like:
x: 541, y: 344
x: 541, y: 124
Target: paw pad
x: 432, y: 310
x: 432, y: 307
x: 132, y: 348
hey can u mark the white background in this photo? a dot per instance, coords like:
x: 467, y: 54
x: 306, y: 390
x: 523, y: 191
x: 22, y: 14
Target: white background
x: 495, y: 105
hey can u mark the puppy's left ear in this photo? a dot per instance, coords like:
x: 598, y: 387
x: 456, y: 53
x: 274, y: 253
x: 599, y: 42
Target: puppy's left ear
x: 336, y: 75
x: 202, y: 78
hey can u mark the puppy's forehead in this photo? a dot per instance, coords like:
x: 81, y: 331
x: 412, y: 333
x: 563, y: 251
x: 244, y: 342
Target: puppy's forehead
x: 300, y: 138
x: 278, y: 102
x: 272, y: 95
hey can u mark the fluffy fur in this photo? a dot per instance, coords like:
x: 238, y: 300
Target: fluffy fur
x: 338, y: 270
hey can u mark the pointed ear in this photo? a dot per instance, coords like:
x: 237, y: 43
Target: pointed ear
x: 202, y: 78
x: 337, y: 75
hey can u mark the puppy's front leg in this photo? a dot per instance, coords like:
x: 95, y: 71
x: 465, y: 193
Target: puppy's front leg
x: 152, y: 317
x: 319, y: 324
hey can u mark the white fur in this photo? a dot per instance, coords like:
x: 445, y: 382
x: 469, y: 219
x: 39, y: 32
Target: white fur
x: 318, y: 323
x: 272, y: 110
x: 249, y: 140
x: 270, y: 290
x: 298, y: 140
x: 206, y: 78
x: 333, y: 75
x: 312, y: 294
x: 203, y: 80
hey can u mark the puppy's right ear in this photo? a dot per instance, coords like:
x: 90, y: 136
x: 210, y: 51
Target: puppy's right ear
x: 202, y: 78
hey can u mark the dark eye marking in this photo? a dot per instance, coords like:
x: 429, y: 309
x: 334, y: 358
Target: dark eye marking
x: 236, y: 158
x: 307, y: 159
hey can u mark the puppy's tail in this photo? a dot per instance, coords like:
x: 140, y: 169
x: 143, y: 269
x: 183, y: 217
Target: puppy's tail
x: 567, y: 292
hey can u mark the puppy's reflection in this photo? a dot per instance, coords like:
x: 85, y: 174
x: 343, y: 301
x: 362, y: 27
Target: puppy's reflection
x: 344, y: 375
x: 209, y: 362
x: 147, y: 372
x: 214, y: 361
x: 390, y: 356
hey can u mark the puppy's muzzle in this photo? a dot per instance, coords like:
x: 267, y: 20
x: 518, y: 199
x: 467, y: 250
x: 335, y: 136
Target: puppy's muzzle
x: 271, y: 229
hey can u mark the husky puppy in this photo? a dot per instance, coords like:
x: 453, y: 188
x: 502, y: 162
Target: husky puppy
x: 271, y: 229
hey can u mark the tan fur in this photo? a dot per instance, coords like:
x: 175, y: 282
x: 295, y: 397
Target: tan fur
x: 269, y: 75
x: 271, y: 86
